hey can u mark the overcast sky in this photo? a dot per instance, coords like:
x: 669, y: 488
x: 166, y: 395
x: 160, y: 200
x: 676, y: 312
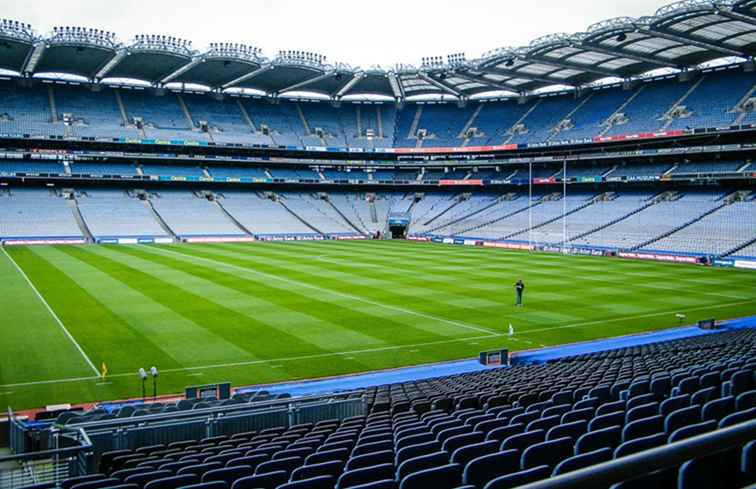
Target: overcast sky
x: 360, y: 33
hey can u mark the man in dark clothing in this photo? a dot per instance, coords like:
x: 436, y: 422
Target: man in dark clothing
x: 519, y: 289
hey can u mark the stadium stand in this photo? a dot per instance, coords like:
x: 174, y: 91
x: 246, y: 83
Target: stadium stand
x: 663, y: 104
x: 36, y: 213
x: 117, y: 214
x: 263, y: 216
x: 189, y: 214
x: 483, y: 429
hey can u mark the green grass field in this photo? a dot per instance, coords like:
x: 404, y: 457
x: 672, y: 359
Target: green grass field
x: 268, y: 312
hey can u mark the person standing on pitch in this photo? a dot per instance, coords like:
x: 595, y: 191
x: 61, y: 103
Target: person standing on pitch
x: 519, y: 289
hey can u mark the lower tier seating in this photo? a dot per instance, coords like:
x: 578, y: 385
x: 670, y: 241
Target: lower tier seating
x: 492, y: 429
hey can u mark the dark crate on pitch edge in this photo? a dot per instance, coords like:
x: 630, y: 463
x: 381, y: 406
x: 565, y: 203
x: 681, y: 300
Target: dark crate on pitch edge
x: 218, y: 391
x: 494, y: 357
x: 708, y: 324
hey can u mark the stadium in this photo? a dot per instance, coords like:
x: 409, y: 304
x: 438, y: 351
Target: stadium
x: 226, y: 269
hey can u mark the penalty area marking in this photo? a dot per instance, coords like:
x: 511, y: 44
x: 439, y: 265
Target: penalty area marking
x: 52, y: 313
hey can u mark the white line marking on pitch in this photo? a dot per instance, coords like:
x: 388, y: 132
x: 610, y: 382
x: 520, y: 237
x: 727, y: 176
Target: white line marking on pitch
x: 328, y: 291
x: 270, y: 360
x: 52, y: 313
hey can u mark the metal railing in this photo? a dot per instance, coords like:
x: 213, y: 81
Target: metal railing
x: 69, y: 455
x: 166, y: 428
x: 642, y: 463
x: 215, y: 411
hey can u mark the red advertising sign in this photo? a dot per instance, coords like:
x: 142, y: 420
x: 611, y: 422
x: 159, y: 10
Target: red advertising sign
x: 460, y: 182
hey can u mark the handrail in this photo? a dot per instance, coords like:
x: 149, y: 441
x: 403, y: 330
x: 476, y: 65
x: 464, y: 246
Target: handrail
x: 641, y: 463
x: 262, y: 406
x: 86, y: 444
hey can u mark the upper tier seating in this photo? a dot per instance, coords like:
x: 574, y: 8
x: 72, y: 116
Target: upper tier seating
x: 707, y: 100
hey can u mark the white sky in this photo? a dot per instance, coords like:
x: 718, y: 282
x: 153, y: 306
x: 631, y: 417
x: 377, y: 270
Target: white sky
x: 359, y: 33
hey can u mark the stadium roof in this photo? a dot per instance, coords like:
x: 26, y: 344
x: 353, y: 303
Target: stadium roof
x: 680, y: 36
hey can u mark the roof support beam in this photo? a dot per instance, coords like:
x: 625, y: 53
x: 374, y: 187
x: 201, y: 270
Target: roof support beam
x: 248, y: 76
x: 310, y: 81
x: 182, y: 70
x: 560, y: 63
x: 486, y: 81
x: 526, y: 76
x: 396, y: 86
x: 441, y: 85
x: 36, y: 54
x: 114, y: 61
x: 693, y: 42
x: 350, y: 84
x: 641, y: 58
x: 736, y: 16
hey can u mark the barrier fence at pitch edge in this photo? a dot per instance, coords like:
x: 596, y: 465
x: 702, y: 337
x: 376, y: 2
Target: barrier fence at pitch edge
x: 669, y: 257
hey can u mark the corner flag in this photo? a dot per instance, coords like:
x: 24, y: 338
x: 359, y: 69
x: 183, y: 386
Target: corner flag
x: 103, y: 370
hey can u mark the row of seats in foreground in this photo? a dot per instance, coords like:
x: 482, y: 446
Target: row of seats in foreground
x: 496, y: 429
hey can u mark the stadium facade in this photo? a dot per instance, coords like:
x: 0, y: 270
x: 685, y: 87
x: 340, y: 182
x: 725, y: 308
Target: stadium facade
x: 633, y: 137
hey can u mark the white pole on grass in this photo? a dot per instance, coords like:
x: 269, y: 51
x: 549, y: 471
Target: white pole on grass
x: 530, y: 206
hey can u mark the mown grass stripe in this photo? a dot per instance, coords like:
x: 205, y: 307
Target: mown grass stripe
x: 333, y: 292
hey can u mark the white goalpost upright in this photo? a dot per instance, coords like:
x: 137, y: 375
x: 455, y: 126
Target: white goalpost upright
x: 564, y: 206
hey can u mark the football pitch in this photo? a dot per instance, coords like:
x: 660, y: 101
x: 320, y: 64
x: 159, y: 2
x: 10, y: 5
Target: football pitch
x: 269, y: 312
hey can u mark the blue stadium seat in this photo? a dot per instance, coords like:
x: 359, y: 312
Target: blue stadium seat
x: 548, y: 453
x: 682, y: 417
x: 227, y: 475
x: 692, y: 430
x: 479, y: 471
x: 463, y: 455
x: 643, y: 427
x: 673, y: 404
x: 173, y: 482
x: 268, y: 480
x: 443, y: 477
x: 366, y: 475
x: 718, y: 409
x: 501, y: 434
x: 367, y: 460
x: 519, y: 478
x: 341, y: 454
x: 582, y: 461
x: 639, y: 444
x: 72, y: 481
x: 319, y: 482
x: 523, y: 440
x: 609, y: 437
x: 572, y: 430
x: 422, y: 462
x: 282, y: 464
x: 606, y: 420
